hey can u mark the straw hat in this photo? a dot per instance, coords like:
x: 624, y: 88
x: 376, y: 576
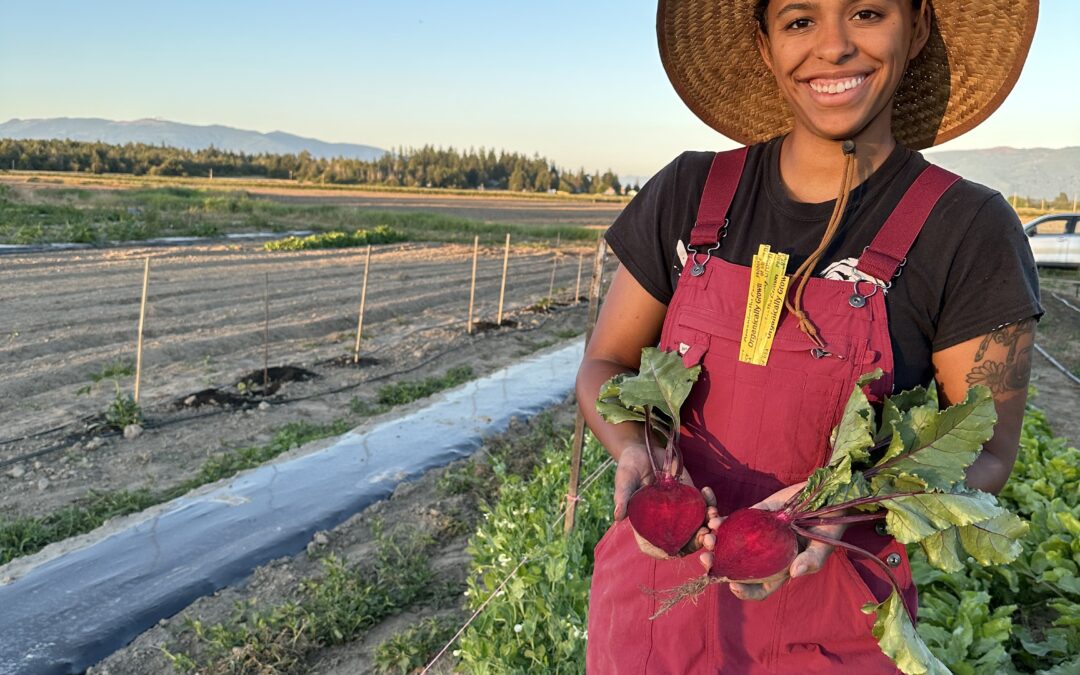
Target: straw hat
x: 969, y: 65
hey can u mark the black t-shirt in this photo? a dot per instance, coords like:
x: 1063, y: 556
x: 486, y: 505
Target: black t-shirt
x: 969, y: 271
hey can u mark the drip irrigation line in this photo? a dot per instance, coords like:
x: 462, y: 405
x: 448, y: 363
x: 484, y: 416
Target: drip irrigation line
x: 46, y: 432
x: 66, y: 442
x: 1057, y: 364
x: 1065, y: 302
x: 502, y: 584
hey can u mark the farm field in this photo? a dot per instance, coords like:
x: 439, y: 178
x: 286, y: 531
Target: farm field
x: 67, y: 336
x: 69, y: 327
x: 33, y: 211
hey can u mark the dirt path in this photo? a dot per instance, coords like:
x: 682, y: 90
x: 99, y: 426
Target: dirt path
x: 67, y: 316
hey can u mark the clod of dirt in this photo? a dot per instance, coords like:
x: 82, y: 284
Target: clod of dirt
x: 346, y: 361
x: 16, y: 472
x: 94, y: 444
x: 211, y: 396
x: 253, y: 383
x: 42, y: 484
x: 485, y: 326
x: 264, y: 406
x: 132, y: 431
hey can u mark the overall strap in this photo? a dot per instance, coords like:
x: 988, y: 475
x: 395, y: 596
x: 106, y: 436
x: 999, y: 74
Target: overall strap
x: 887, y: 253
x: 716, y: 198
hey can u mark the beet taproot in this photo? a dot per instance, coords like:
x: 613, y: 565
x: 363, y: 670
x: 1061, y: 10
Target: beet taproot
x: 667, y: 513
x: 754, y: 546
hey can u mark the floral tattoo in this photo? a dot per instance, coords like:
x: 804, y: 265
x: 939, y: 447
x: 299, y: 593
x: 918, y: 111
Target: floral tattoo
x: 1012, y: 373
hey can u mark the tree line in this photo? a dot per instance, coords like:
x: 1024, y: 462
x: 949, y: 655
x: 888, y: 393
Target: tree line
x: 427, y: 166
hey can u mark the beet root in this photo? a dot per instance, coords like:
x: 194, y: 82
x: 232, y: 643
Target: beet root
x: 754, y: 546
x: 666, y: 514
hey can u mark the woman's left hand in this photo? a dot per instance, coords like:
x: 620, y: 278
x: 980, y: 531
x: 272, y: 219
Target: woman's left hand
x: 809, y: 561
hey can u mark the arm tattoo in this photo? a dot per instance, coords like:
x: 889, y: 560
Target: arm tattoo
x: 1011, y: 374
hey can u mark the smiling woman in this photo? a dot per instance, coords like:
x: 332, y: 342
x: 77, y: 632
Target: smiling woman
x: 897, y: 265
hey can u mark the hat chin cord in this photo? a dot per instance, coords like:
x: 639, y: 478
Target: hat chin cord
x: 804, y: 272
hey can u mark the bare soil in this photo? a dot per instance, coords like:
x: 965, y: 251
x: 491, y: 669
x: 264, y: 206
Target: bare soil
x: 69, y: 315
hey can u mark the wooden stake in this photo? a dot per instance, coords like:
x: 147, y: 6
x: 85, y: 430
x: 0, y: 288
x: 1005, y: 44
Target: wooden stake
x: 551, y: 284
x: 266, y: 334
x: 472, y: 284
x: 579, y: 422
x: 594, y: 289
x: 363, y: 301
x: 502, y: 288
x: 142, y: 319
x: 577, y: 286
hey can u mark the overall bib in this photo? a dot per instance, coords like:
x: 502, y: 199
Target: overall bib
x: 747, y: 432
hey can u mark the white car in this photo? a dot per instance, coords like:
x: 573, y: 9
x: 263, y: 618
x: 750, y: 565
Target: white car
x: 1054, y: 240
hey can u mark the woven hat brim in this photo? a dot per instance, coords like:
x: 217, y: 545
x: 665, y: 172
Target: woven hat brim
x: 971, y: 62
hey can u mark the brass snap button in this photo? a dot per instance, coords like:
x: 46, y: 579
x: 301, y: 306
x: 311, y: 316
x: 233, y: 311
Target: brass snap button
x: 881, y: 529
x: 893, y: 560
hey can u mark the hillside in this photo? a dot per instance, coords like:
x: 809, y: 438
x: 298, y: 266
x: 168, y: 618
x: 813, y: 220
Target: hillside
x: 177, y: 135
x: 1031, y: 172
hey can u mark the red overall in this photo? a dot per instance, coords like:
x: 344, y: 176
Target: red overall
x: 749, y: 431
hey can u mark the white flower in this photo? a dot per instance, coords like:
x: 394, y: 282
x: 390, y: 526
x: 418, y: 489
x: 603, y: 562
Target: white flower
x: 518, y: 627
x: 468, y: 591
x: 456, y: 652
x: 504, y: 559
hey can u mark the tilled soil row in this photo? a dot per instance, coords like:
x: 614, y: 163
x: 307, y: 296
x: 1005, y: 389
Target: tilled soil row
x: 59, y: 330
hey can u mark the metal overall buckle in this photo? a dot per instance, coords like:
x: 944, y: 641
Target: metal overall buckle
x: 698, y: 268
x: 858, y: 300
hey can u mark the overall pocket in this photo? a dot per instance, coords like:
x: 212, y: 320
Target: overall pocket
x: 773, y: 420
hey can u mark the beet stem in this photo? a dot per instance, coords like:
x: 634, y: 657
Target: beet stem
x: 855, y: 549
x: 837, y: 520
x: 860, y: 502
x: 648, y: 439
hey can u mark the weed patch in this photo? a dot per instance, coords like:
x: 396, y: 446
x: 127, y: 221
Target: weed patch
x: 113, y: 370
x: 414, y: 647
x: 123, y: 411
x: 406, y: 392
x: 381, y: 234
x: 337, y: 607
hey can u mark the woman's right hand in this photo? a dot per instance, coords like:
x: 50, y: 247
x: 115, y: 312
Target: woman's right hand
x: 633, y: 471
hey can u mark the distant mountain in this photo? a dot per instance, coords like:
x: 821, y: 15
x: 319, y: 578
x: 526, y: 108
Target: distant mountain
x: 177, y: 135
x: 1027, y: 172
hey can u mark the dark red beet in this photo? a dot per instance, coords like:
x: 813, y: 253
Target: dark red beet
x: 667, y: 513
x: 753, y: 545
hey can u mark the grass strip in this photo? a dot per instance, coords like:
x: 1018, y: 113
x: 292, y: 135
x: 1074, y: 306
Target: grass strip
x: 399, y: 393
x: 25, y: 536
x: 81, y: 216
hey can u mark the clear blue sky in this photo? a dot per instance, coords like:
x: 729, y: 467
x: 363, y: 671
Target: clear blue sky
x: 579, y: 82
